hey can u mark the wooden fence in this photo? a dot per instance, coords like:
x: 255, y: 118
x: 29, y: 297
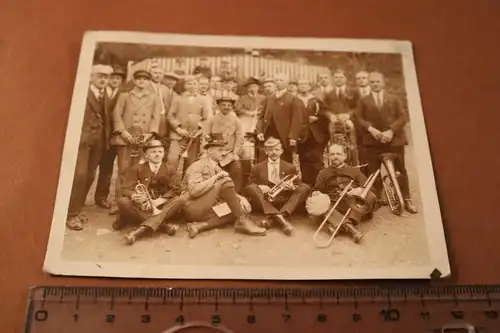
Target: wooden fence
x: 244, y: 65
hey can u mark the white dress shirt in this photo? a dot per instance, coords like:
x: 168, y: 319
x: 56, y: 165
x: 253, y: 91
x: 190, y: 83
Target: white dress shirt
x: 379, y: 98
x: 280, y: 93
x: 305, y: 99
x: 365, y: 91
x: 96, y: 91
x: 154, y: 167
x: 111, y: 92
x: 273, y: 171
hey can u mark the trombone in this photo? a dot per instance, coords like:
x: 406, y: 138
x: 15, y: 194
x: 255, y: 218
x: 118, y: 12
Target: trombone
x: 355, y: 202
x: 148, y: 205
x: 278, y: 188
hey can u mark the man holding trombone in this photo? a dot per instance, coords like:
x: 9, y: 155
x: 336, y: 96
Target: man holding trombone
x: 275, y: 188
x: 344, y: 189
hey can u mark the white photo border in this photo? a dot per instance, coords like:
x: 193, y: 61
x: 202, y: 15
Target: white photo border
x: 57, y: 265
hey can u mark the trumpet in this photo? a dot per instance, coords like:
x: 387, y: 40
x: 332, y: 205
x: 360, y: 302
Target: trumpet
x: 356, y: 202
x: 282, y: 184
x: 147, y: 205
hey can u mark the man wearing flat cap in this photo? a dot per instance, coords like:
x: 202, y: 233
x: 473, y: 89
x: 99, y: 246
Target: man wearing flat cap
x: 145, y: 191
x: 203, y: 68
x: 265, y: 176
x: 136, y: 119
x: 91, y: 147
x: 106, y: 165
x: 188, y: 113
x: 281, y: 118
x: 229, y: 125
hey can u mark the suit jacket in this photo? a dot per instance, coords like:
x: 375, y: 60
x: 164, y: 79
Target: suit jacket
x: 94, y: 120
x: 286, y: 114
x: 344, y: 103
x: 247, y: 108
x: 109, y: 105
x: 182, y: 107
x: 199, y: 177
x: 130, y: 110
x: 332, y: 180
x: 390, y: 116
x: 320, y: 94
x: 167, y: 95
x: 157, y: 184
x: 259, y: 175
x: 318, y: 130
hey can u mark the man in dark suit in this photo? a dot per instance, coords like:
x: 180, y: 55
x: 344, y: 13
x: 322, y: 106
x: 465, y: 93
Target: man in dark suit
x: 314, y: 136
x: 135, y: 206
x: 265, y: 175
x: 92, y: 143
x: 281, y: 118
x: 106, y: 165
x: 382, y: 118
x: 362, y: 90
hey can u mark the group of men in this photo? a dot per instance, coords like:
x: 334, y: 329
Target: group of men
x: 202, y: 132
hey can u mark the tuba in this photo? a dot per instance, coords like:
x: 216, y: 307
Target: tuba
x: 390, y: 183
x: 147, y: 205
x: 278, y: 188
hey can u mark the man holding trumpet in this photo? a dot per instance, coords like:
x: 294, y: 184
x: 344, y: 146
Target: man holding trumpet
x: 272, y: 194
x: 330, y: 183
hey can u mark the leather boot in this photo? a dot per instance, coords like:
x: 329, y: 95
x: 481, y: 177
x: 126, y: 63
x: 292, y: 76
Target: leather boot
x: 245, y: 226
x: 410, y: 207
x: 118, y: 224
x: 355, y: 233
x: 286, y: 226
x: 169, y: 228
x: 195, y: 228
x: 132, y: 236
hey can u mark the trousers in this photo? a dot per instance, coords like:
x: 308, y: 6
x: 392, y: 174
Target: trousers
x: 287, y: 201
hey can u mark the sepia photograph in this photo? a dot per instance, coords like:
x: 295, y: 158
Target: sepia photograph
x: 238, y: 157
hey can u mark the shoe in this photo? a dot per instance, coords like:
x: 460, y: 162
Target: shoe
x: 131, y: 237
x: 245, y: 226
x: 410, y: 207
x: 194, y: 228
x: 171, y: 229
x: 286, y: 226
x: 102, y: 203
x: 383, y: 201
x: 113, y: 210
x: 355, y: 233
x: 118, y: 225
x: 266, y: 223
x: 74, y: 223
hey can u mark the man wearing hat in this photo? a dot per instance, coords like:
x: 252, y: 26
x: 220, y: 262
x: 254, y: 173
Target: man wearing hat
x: 146, y: 186
x: 164, y: 93
x: 106, y: 165
x: 266, y: 175
x: 249, y: 104
x: 187, y: 113
x: 136, y: 118
x: 281, y: 118
x: 212, y: 195
x: 227, y: 123
x: 293, y: 87
x: 203, y: 68
x: 315, y: 134
x: 92, y: 145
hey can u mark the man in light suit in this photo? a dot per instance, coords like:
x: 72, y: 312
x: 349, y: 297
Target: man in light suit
x: 265, y: 175
x: 282, y: 118
x: 91, y: 147
x: 382, y: 118
x: 136, y: 113
x: 188, y: 113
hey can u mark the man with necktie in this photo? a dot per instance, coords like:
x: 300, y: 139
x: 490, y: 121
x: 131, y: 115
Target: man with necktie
x: 91, y: 147
x: 362, y: 90
x: 381, y: 118
x: 269, y: 173
x: 282, y: 118
x: 331, y: 181
x: 324, y: 86
x: 164, y: 93
x: 106, y: 165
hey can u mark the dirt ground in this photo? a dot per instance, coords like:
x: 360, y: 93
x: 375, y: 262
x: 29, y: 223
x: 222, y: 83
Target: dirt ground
x: 389, y: 241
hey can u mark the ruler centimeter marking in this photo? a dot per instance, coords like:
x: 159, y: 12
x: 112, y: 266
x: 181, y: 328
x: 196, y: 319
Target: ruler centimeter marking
x: 389, y: 301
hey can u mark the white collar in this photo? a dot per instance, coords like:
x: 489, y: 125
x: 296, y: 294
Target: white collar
x: 154, y: 167
x: 269, y: 161
x: 281, y: 92
x: 95, y: 90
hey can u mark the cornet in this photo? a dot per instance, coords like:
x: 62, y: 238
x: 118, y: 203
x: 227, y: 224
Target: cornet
x: 278, y: 188
x: 147, y: 205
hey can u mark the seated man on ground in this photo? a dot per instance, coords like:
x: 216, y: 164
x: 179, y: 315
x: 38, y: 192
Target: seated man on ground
x: 331, y: 181
x: 269, y: 174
